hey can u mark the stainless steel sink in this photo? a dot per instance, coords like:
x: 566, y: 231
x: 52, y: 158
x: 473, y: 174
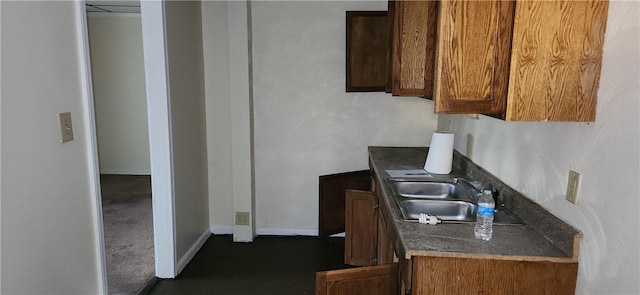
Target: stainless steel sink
x: 429, y: 190
x: 445, y: 210
x: 452, y: 211
x: 453, y: 202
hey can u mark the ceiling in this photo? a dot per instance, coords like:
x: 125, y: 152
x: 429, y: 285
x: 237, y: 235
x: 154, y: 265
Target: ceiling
x: 113, y: 6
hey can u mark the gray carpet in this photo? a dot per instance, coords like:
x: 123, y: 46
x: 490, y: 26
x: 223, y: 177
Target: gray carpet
x: 128, y: 231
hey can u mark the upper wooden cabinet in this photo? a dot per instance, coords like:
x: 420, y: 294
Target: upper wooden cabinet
x: 367, y: 47
x: 413, y: 47
x: 556, y: 58
x: 521, y: 61
x: 473, y: 56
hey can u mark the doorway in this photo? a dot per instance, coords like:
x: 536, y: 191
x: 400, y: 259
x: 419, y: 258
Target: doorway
x: 119, y: 99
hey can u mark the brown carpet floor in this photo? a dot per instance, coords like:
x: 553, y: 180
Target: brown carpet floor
x: 128, y: 232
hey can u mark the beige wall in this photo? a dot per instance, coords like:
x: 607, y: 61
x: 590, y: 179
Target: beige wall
x: 305, y: 124
x: 535, y: 159
x: 119, y: 93
x: 188, y: 134
x: 218, y: 108
x: 48, y: 226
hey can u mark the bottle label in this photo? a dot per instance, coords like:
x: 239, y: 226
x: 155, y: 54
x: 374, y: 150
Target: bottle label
x: 487, y: 211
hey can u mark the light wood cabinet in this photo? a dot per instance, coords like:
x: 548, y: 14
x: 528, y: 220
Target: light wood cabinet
x: 413, y: 47
x: 453, y: 275
x: 519, y: 60
x: 556, y: 58
x: 472, y: 56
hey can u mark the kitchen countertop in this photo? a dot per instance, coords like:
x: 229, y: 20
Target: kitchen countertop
x: 542, y: 237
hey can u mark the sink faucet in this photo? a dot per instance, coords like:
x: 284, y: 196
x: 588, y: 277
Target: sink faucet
x: 476, y: 185
x: 479, y: 188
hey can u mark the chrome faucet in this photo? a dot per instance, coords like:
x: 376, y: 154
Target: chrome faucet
x: 476, y: 185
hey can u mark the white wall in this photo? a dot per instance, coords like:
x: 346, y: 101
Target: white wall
x: 218, y: 105
x: 119, y: 93
x: 535, y: 159
x: 306, y: 125
x: 186, y: 86
x: 48, y: 225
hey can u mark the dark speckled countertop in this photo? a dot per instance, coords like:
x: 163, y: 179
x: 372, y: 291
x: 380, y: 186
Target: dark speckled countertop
x: 542, y: 237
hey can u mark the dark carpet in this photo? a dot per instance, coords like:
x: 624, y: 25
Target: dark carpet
x: 268, y: 265
x: 128, y: 232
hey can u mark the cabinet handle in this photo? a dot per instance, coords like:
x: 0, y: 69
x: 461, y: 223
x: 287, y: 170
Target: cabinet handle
x: 375, y: 206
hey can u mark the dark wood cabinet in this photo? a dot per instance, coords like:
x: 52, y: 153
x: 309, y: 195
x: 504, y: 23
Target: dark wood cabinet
x: 407, y: 30
x: 367, y: 244
x: 367, y: 47
x: 370, y: 280
x: 331, y: 196
x: 361, y: 228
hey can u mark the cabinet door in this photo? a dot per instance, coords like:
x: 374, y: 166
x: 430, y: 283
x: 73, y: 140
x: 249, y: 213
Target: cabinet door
x: 455, y: 275
x: 331, y: 190
x: 556, y: 59
x: 413, y: 47
x: 367, y: 43
x: 371, y: 280
x: 361, y: 214
x: 386, y: 233
x: 472, y: 56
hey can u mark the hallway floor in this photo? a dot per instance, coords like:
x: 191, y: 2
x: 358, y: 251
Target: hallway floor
x: 268, y: 265
x: 128, y: 232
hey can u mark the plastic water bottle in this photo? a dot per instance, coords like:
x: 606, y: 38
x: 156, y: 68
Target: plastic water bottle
x: 484, y: 216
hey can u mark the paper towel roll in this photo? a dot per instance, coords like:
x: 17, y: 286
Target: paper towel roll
x: 440, y: 155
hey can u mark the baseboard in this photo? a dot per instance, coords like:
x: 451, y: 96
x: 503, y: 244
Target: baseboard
x: 286, y: 232
x: 184, y: 260
x: 218, y: 229
x: 125, y: 172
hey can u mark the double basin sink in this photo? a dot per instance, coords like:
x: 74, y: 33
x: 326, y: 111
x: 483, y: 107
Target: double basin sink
x: 449, y: 201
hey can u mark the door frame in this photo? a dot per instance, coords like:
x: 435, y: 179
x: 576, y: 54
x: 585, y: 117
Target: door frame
x: 159, y: 117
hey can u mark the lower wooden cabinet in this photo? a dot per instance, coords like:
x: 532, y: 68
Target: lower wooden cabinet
x: 370, y: 242
x: 369, y: 280
x: 454, y: 275
x: 361, y: 214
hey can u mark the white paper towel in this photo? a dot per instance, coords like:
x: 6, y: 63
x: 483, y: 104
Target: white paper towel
x: 440, y: 155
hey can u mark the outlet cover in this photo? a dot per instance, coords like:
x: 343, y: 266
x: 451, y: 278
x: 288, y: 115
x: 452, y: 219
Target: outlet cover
x: 66, y: 128
x: 573, y: 187
x: 242, y: 218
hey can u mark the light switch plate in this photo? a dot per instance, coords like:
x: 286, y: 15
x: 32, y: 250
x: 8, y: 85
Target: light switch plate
x: 66, y: 128
x: 573, y: 187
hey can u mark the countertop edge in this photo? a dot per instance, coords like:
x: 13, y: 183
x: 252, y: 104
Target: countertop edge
x: 410, y: 254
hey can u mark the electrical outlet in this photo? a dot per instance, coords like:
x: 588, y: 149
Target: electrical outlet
x: 573, y: 187
x: 242, y: 218
x: 66, y: 128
